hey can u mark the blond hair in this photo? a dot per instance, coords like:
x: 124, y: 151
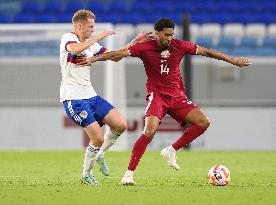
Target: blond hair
x: 83, y: 15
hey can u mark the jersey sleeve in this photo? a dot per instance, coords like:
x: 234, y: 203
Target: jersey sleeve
x: 98, y: 49
x: 67, y: 39
x: 135, y: 50
x: 188, y: 48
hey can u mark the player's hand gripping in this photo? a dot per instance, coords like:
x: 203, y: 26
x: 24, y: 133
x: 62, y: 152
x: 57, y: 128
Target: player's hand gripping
x: 240, y: 61
x: 142, y: 37
x: 84, y: 61
x: 104, y: 34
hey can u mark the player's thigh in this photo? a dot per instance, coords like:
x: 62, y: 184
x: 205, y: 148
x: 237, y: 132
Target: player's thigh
x: 196, y: 116
x: 180, y: 109
x: 115, y: 121
x: 156, y: 106
x: 95, y: 133
x: 151, y: 125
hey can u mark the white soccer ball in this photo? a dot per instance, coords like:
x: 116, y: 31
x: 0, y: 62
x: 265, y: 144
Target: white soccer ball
x: 219, y: 175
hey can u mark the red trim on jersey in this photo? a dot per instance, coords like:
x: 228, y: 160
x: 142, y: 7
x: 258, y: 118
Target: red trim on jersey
x: 72, y: 58
x: 69, y: 42
x: 101, y: 51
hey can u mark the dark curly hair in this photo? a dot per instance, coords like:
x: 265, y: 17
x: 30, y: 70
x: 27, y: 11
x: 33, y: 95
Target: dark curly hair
x: 162, y: 23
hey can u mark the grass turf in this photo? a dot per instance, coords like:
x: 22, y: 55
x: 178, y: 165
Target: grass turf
x: 38, y: 178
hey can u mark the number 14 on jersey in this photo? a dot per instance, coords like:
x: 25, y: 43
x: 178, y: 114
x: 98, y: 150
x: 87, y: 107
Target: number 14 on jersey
x: 164, y: 68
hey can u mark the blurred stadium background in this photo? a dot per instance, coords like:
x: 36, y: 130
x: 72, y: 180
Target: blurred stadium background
x: 241, y: 104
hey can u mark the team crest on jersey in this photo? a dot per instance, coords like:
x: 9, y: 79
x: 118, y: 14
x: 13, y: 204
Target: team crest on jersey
x: 84, y: 114
x: 165, y: 54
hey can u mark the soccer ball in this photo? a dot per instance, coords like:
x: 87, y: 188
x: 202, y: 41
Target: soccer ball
x: 219, y: 175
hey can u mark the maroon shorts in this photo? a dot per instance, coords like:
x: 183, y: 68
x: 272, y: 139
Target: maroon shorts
x: 177, y: 107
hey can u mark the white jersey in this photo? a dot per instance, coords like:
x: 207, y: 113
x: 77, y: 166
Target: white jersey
x: 76, y: 84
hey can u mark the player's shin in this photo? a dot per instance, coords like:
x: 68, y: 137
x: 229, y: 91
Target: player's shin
x: 89, y: 159
x: 110, y: 137
x: 191, y: 133
x: 138, y: 151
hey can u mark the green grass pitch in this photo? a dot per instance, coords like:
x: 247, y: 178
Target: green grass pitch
x: 38, y: 178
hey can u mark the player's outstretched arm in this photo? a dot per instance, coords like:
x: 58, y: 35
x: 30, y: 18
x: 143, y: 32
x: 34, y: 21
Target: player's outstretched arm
x: 106, y: 56
x: 237, y: 61
x: 76, y: 48
x: 140, y: 38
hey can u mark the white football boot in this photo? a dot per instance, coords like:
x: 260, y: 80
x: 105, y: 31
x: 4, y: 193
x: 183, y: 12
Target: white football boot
x: 89, y: 180
x: 103, y: 165
x: 128, y: 178
x: 169, y: 154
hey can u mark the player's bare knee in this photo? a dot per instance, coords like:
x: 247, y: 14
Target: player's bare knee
x: 121, y: 127
x: 203, y: 122
x: 98, y: 141
x: 150, y: 132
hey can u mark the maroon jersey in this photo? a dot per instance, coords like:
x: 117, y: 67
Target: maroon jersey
x: 163, y: 66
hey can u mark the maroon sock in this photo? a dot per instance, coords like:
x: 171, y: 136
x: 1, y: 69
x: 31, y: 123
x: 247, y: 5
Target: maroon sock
x: 191, y: 133
x: 138, y: 150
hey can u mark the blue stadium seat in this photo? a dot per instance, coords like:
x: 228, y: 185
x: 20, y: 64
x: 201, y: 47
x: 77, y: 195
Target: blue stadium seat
x: 221, y: 17
x: 16, y: 52
x: 153, y: 17
x: 243, y: 17
x: 165, y: 6
x: 53, y: 7
x: 260, y: 51
x: 228, y: 6
x: 265, y: 18
x: 244, y: 6
x: 268, y: 6
x: 40, y: 51
x: 45, y: 18
x: 175, y: 16
x: 10, y: 7
x: 269, y: 42
x: 250, y: 42
x: 228, y: 42
x: 118, y: 6
x: 97, y: 7
x: 109, y: 18
x: 206, y: 6
x: 183, y: 6
x: 132, y: 17
x: 242, y: 51
x: 31, y: 7
x: 200, y: 18
x: 64, y: 17
x: 205, y: 41
x: 5, y: 18
x: 23, y: 18
x: 73, y: 6
x: 142, y: 7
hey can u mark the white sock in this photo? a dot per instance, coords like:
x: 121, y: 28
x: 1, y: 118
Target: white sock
x: 89, y: 159
x: 110, y: 137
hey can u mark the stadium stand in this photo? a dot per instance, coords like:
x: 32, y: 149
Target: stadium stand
x: 228, y: 26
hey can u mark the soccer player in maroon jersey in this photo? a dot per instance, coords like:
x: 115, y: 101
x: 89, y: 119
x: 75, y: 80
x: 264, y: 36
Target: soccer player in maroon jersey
x: 166, y: 91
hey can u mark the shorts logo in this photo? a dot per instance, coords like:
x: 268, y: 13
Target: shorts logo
x: 187, y: 101
x: 84, y: 114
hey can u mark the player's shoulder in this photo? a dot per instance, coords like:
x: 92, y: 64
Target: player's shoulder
x: 69, y: 35
x: 180, y: 42
x: 146, y: 43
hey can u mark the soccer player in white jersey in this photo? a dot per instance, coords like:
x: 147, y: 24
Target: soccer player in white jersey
x: 81, y: 102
